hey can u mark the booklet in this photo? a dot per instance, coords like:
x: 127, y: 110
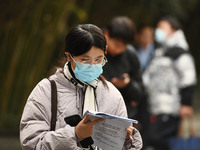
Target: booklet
x: 110, y: 133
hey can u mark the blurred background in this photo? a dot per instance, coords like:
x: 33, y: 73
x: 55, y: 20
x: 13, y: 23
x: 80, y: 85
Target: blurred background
x: 32, y: 41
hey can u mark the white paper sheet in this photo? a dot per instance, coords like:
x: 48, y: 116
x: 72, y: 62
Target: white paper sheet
x: 109, y: 134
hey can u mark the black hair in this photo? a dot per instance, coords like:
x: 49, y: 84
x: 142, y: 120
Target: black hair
x: 122, y: 28
x: 172, y: 21
x: 81, y: 38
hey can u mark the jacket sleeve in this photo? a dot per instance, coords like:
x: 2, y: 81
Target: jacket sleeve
x: 136, y: 144
x: 35, y: 124
x: 187, y: 76
x: 135, y: 88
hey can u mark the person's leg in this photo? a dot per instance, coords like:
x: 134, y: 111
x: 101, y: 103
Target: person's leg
x: 162, y: 128
x: 143, y: 118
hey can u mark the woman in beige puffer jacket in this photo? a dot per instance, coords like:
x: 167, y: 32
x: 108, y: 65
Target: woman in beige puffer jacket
x: 71, y: 88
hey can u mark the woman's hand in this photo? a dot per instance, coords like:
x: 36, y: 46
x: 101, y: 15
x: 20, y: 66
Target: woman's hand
x: 186, y: 111
x: 121, y: 83
x: 129, y: 132
x: 84, y: 127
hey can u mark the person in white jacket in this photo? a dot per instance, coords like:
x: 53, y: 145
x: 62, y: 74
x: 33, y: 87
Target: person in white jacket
x: 169, y: 33
x: 170, y: 80
x: 80, y: 87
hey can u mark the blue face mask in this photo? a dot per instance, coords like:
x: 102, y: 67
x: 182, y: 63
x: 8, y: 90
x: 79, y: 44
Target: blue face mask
x: 87, y: 72
x: 160, y: 36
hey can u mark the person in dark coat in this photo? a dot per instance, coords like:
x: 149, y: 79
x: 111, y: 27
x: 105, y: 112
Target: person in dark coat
x: 123, y: 68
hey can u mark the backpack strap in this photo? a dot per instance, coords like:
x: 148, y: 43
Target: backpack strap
x: 53, y: 105
x: 175, y: 52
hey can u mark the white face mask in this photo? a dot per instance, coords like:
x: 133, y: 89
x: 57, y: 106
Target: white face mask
x: 160, y: 35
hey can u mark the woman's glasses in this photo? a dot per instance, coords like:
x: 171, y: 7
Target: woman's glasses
x: 89, y: 61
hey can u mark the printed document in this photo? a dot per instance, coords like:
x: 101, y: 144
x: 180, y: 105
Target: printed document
x: 109, y: 134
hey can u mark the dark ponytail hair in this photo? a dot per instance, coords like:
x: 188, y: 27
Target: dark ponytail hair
x: 81, y: 38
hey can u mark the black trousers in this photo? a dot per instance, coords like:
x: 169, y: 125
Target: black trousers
x: 161, y: 129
